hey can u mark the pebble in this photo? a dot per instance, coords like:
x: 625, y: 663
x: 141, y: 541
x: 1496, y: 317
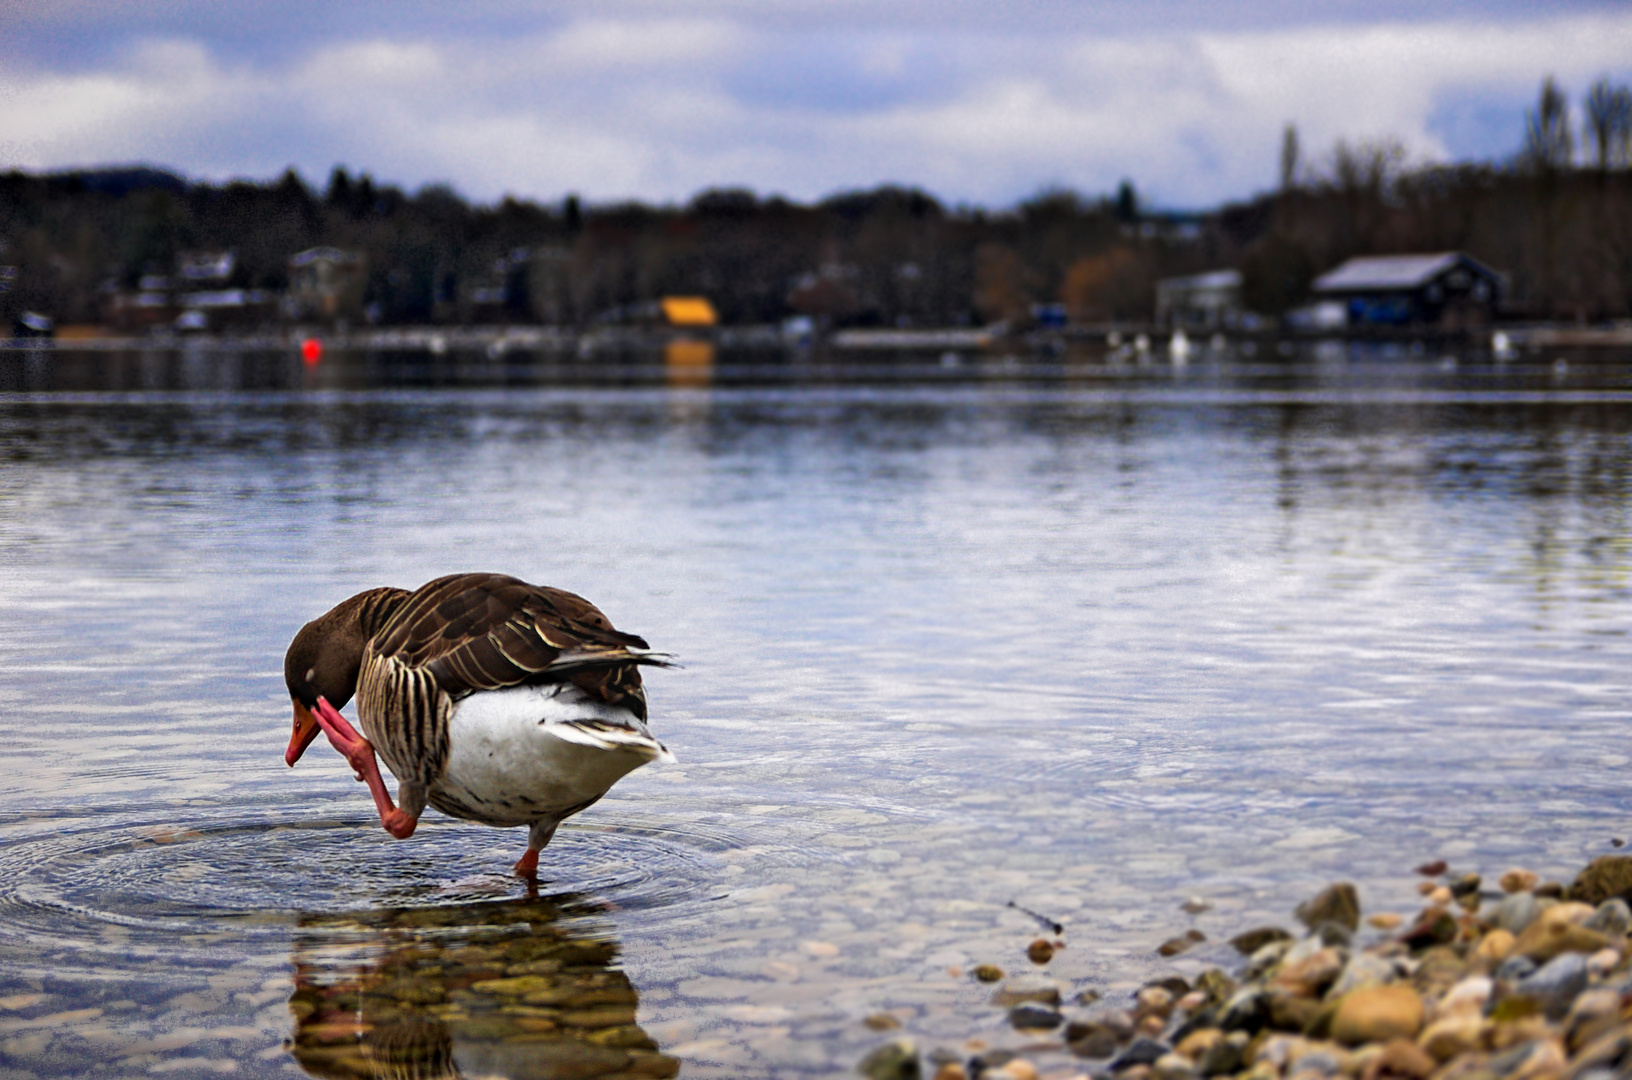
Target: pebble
x: 1040, y: 951
x: 1385, y: 920
x: 1363, y: 969
x: 1555, y: 985
x: 896, y: 1060
x: 1605, y: 877
x: 1377, y: 1014
x: 1252, y: 941
x: 950, y: 1071
x: 1027, y: 988
x: 1402, y: 1058
x: 1516, y: 912
x: 1454, y: 1035
x: 1495, y: 946
x: 1144, y: 1051
x: 988, y: 973
x: 1031, y: 1015
x: 1517, y: 880
x: 1544, y: 940
x: 1441, y: 896
x: 1601, y: 963
x: 1613, y: 918
x: 1338, y: 903
x: 1014, y: 1069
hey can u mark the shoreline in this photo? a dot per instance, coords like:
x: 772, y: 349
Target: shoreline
x: 1502, y: 978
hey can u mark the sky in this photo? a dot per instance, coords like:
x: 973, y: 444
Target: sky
x: 982, y: 102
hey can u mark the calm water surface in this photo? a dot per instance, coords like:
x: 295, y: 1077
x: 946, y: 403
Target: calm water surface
x: 1091, y: 638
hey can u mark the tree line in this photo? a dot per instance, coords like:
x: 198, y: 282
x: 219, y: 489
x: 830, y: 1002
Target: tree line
x: 1556, y: 219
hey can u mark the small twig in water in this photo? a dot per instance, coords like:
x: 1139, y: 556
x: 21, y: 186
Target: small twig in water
x: 1057, y: 928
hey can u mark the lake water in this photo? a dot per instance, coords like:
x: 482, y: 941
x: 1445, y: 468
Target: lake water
x: 1086, y: 636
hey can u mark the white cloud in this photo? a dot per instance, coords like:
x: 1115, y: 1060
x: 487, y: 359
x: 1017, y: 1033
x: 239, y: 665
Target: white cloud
x: 659, y: 109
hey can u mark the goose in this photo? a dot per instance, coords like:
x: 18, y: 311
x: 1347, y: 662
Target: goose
x: 491, y: 699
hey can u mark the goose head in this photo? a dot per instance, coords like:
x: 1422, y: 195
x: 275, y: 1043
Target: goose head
x: 322, y: 662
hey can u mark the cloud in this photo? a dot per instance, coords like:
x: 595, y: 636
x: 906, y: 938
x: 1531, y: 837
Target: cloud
x: 659, y: 108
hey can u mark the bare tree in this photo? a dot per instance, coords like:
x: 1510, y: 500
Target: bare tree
x: 1548, y: 144
x: 1608, y: 125
x: 1289, y: 158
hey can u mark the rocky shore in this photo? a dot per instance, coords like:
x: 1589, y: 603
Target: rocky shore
x: 1514, y: 978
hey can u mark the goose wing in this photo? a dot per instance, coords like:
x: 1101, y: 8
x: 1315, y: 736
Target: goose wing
x: 473, y: 632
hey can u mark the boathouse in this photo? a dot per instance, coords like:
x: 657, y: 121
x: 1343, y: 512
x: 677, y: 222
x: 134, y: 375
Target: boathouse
x: 1448, y: 290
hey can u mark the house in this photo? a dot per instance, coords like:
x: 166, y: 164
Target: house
x: 326, y: 283
x: 1200, y: 302
x: 1448, y: 289
x: 206, y: 268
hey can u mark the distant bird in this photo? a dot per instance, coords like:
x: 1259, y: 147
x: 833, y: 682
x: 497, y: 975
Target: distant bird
x: 490, y: 699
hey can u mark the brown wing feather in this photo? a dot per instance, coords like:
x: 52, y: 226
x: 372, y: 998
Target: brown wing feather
x: 487, y: 631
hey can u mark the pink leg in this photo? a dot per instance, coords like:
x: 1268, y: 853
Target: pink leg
x: 359, y: 753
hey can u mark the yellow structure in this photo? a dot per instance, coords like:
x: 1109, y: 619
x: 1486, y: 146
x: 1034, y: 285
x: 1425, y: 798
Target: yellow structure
x: 689, y: 311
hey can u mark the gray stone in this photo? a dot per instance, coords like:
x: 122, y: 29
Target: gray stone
x: 1612, y: 919
x: 1554, y: 987
x: 1517, y: 911
x: 1363, y: 969
x: 1515, y: 968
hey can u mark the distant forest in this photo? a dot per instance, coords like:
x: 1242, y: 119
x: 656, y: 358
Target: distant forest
x: 1556, y: 220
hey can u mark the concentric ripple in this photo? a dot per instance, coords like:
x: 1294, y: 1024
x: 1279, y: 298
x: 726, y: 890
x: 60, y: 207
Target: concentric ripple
x: 99, y: 884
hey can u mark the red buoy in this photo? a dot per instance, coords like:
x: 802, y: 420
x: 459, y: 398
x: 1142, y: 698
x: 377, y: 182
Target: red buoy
x: 311, y: 350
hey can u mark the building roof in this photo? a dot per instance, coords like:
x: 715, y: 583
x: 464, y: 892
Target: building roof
x: 1389, y: 272
x: 689, y: 311
x: 1215, y: 279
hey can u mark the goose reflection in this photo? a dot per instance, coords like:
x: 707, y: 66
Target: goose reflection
x: 522, y: 989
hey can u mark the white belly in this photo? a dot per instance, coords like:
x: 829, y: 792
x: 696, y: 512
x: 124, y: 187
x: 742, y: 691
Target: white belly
x: 535, y: 753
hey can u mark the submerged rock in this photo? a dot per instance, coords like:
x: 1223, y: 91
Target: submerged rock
x: 1605, y: 877
x: 1338, y: 903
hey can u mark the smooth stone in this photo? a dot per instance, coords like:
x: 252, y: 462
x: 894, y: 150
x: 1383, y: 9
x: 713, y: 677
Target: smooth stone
x: 1518, y: 880
x: 1030, y: 1014
x: 1247, y: 944
x: 1097, y: 1043
x: 1040, y: 951
x: 1027, y: 988
x: 896, y: 1060
x: 1196, y: 1044
x: 1495, y: 946
x: 1601, y: 963
x: 1451, y: 1036
x: 1515, y: 912
x: 1555, y: 985
x: 1403, y: 1058
x: 1226, y: 1057
x: 1470, y: 996
x: 1612, y: 918
x: 1144, y: 1051
x: 1339, y: 903
x: 1376, y: 1014
x: 1310, y: 976
x: 1172, y: 1067
x: 988, y: 973
x: 1604, y: 877
x: 1515, y: 968
x: 1543, y: 941
x: 1363, y: 969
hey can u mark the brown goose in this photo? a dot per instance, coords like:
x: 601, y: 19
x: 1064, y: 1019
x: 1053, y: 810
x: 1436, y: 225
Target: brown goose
x: 490, y: 699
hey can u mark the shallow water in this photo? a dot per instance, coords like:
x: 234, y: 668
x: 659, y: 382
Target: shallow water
x: 1087, y: 637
